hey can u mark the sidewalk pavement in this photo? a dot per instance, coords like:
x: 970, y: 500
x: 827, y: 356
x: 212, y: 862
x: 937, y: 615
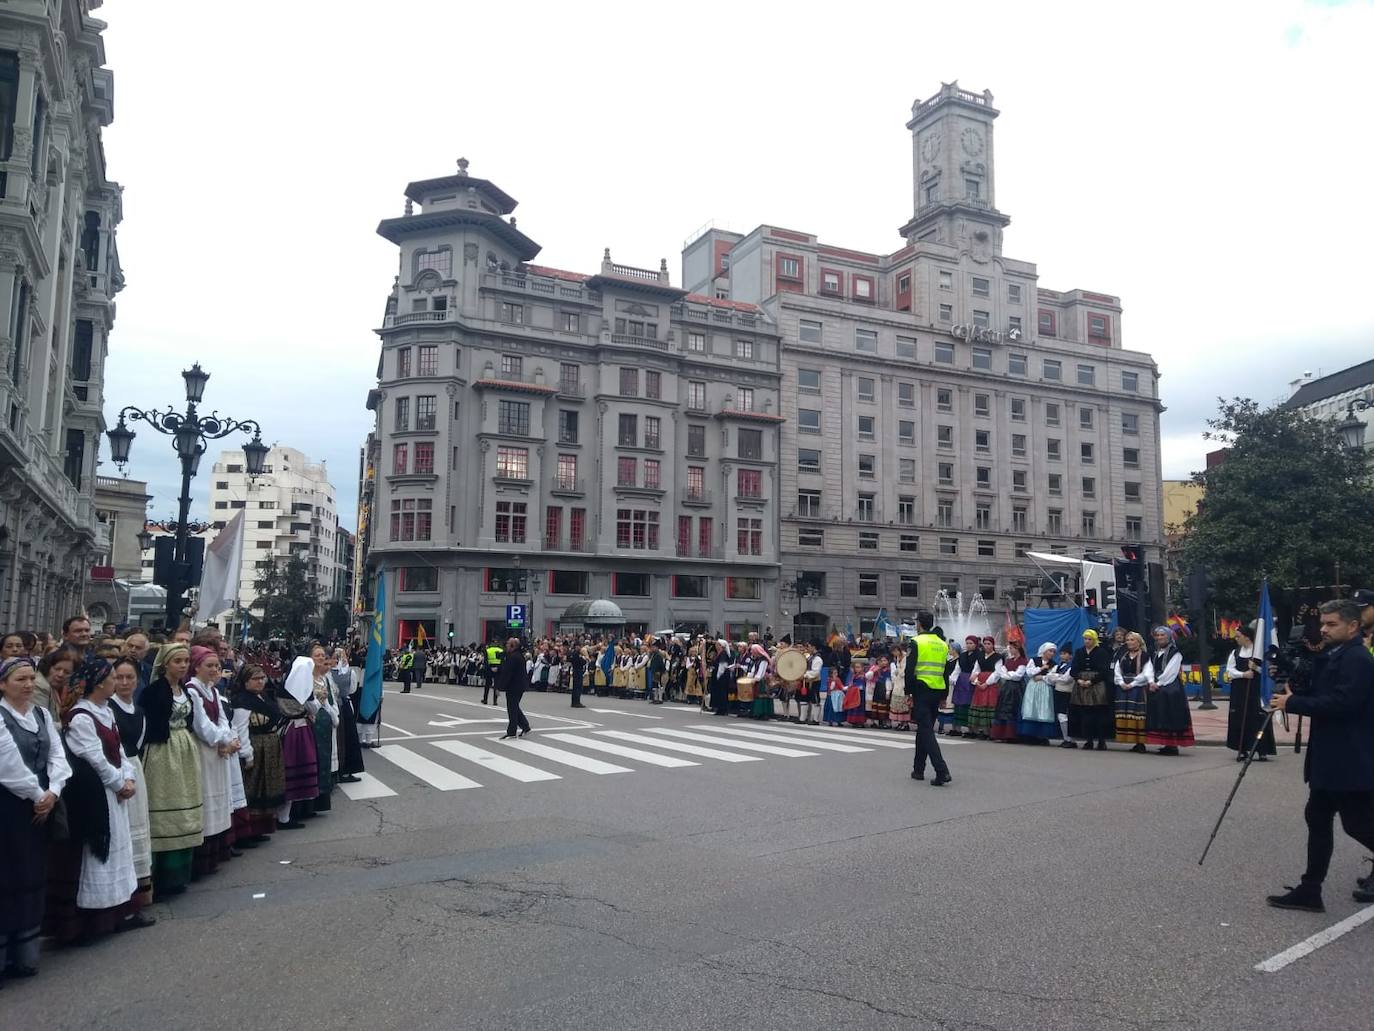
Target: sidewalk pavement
x: 1209, y: 727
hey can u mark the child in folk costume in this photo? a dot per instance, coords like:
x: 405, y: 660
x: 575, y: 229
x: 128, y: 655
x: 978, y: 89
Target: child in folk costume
x: 833, y: 713
x: 876, y: 679
x: 1062, y: 681
x: 855, y: 709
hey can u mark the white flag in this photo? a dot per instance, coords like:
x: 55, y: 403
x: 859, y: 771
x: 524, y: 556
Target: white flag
x: 219, y: 578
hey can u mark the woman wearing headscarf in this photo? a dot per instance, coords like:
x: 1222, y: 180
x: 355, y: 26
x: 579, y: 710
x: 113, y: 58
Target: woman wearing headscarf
x: 1132, y: 674
x: 1011, y: 689
x: 961, y: 686
x: 760, y: 665
x: 171, y: 765
x: 323, y: 706
x: 721, y: 664
x: 1037, y: 722
x: 1090, y: 715
x: 300, y: 763
x: 218, y: 749
x: 346, y: 687
x: 133, y: 729
x: 1168, y: 719
x: 257, y: 722
x: 983, y: 705
x: 1245, y: 713
x: 91, y: 881
x: 33, y: 772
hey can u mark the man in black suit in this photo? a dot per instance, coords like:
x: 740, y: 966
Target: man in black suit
x: 1340, y: 756
x: 514, y: 679
x: 578, y: 661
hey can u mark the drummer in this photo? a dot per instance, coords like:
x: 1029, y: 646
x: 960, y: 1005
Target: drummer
x: 758, y: 666
x: 790, y: 663
x: 813, y: 684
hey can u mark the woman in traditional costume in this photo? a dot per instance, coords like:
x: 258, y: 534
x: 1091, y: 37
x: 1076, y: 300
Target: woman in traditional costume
x: 1011, y: 689
x: 300, y: 762
x: 1090, y: 714
x: 133, y: 729
x: 983, y: 704
x: 760, y: 666
x: 33, y: 772
x: 171, y: 764
x: 323, y: 705
x: 899, y: 702
x: 1037, y: 722
x: 257, y: 722
x: 92, y: 883
x: 961, y: 686
x: 346, y: 688
x: 218, y: 749
x: 1245, y: 713
x: 1168, y: 719
x: 1132, y: 674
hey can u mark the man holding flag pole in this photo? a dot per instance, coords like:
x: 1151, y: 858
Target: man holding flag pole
x: 370, y: 700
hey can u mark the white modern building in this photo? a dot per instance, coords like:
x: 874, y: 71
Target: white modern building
x: 288, y: 510
x: 1338, y: 396
x: 59, y: 273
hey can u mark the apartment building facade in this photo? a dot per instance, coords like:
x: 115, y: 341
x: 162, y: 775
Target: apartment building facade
x: 944, y: 414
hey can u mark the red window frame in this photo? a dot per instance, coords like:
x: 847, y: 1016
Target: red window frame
x: 749, y: 483
x: 400, y: 459
x: 1040, y: 316
x: 424, y: 457
x: 785, y: 283
x: 1106, y: 334
x: 838, y: 290
x: 854, y: 280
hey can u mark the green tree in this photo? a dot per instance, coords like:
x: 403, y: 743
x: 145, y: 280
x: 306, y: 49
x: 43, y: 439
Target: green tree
x: 287, y: 597
x: 335, y: 621
x: 1289, y: 502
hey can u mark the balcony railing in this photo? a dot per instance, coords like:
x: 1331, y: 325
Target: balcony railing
x: 696, y: 551
x: 571, y: 388
x: 579, y: 545
x: 626, y: 338
x: 699, y: 498
x: 568, y: 485
x: 407, y: 318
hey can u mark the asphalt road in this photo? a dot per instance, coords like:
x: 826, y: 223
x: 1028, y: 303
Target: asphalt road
x: 1044, y: 888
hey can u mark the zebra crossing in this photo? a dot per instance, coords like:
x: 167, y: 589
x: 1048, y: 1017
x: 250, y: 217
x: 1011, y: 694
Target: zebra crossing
x: 447, y: 764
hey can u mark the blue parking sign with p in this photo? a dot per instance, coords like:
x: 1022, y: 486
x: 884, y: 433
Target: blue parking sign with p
x: 515, y: 617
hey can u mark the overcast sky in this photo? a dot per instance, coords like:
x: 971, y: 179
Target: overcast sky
x: 1207, y: 162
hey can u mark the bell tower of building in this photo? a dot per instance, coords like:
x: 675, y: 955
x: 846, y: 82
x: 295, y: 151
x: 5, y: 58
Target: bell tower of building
x: 955, y: 195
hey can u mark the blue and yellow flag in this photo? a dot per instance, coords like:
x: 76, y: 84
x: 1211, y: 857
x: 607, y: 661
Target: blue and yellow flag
x: 370, y: 703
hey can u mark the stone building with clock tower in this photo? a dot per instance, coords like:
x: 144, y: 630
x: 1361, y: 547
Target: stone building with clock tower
x: 944, y: 413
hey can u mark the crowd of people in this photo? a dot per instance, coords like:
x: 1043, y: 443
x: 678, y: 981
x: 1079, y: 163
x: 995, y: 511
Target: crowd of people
x: 133, y: 766
x: 1129, y: 690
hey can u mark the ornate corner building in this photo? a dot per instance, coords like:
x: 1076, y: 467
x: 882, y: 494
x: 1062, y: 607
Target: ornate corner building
x: 59, y: 273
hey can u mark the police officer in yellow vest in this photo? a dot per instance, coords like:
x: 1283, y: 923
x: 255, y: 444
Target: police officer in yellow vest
x: 406, y: 665
x: 494, y: 655
x: 926, y: 686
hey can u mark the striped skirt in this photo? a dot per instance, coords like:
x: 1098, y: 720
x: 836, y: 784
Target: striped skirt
x: 1130, y: 715
x: 172, y: 772
x: 300, y: 766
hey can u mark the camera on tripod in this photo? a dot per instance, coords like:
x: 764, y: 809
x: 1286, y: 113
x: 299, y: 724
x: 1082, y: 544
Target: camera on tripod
x: 1291, y: 663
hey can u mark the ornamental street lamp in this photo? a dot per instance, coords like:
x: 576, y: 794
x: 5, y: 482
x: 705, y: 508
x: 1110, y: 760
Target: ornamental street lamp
x: 1351, y: 428
x: 190, y: 433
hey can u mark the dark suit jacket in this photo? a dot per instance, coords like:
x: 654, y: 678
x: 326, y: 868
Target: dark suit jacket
x: 512, y: 677
x: 1340, y: 752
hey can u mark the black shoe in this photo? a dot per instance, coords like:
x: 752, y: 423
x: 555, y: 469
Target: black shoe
x: 406, y: 691
x: 1362, y: 895
x: 524, y: 732
x: 1240, y: 758
x: 1138, y: 747
x: 236, y: 853
x: 1367, y: 883
x: 577, y: 705
x: 1102, y: 746
x: 247, y: 843
x: 1068, y: 744
x: 1087, y: 746
x: 133, y: 923
x: 940, y: 782
x: 505, y: 736
x: 1167, y: 750
x: 293, y: 825
x: 350, y: 779
x: 1309, y: 900
x: 917, y: 776
x: 15, y: 970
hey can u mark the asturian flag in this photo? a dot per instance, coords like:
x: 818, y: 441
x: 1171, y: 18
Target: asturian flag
x: 370, y: 699
x: 1264, y: 637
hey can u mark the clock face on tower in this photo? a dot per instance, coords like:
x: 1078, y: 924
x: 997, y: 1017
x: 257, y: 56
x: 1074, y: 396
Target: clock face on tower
x: 931, y: 146
x: 972, y: 142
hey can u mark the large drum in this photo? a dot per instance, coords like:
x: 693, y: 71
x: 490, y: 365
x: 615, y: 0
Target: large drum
x: 744, y: 688
x: 791, y: 665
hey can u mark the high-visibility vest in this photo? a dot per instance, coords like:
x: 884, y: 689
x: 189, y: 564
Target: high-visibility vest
x: 407, y: 660
x: 931, y: 654
x: 494, y: 653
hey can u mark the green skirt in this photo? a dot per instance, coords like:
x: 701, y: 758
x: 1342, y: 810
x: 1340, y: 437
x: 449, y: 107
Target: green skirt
x: 172, y: 772
x: 172, y: 870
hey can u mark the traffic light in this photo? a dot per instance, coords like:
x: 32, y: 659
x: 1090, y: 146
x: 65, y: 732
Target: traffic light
x: 450, y: 631
x: 1108, y: 597
x: 1090, y: 598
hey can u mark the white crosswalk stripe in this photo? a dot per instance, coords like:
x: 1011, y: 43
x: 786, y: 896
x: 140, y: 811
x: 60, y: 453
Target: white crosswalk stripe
x: 559, y: 755
x: 769, y: 735
x: 427, y: 770
x: 676, y: 746
x: 748, y: 746
x: 367, y: 787
x: 652, y: 758
x: 501, y: 764
x: 867, y: 738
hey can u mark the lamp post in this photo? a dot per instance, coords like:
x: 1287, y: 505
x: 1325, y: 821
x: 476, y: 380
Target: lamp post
x: 1351, y: 428
x: 795, y: 591
x: 190, y: 433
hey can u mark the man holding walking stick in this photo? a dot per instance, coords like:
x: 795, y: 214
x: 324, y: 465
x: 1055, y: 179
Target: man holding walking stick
x: 1339, y: 768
